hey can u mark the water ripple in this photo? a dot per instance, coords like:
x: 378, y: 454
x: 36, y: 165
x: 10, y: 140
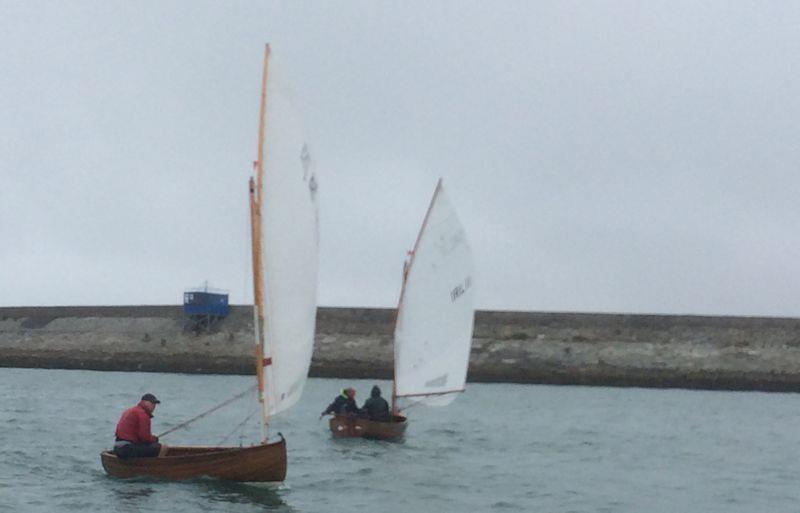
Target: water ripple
x: 585, y: 450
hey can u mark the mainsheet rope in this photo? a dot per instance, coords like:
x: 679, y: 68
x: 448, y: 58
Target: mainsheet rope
x: 238, y: 427
x: 215, y: 408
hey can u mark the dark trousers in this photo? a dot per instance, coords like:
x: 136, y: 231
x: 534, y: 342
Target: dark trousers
x: 125, y: 451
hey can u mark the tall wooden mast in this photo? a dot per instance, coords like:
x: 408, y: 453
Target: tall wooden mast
x: 256, y: 186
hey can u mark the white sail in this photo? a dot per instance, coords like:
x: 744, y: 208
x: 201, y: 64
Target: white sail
x: 289, y: 248
x: 433, y: 334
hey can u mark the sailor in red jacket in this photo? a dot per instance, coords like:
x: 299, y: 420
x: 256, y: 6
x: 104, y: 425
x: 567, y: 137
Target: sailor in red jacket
x: 133, y: 436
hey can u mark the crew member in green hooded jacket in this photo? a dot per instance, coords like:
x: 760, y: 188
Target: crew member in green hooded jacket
x: 343, y: 403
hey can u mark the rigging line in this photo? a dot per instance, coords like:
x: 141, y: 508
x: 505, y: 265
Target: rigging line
x: 239, y: 425
x: 416, y: 403
x: 215, y: 408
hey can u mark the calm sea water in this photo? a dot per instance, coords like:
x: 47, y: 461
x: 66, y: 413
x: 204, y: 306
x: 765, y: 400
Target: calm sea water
x: 497, y: 448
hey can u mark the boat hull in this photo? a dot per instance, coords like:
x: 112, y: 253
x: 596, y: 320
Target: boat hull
x: 259, y: 463
x: 346, y: 426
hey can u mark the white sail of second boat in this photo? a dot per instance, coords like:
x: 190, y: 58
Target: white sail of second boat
x: 433, y: 333
x: 289, y: 248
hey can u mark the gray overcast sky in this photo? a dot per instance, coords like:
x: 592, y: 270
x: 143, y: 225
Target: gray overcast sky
x: 616, y: 156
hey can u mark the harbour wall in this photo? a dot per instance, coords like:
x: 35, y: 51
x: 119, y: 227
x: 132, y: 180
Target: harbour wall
x: 732, y: 353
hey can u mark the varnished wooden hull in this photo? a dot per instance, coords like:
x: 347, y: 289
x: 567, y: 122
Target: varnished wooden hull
x: 259, y: 463
x: 346, y: 426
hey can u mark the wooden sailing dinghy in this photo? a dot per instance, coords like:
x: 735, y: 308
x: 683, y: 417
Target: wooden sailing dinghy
x: 259, y: 463
x: 283, y: 214
x: 433, y: 329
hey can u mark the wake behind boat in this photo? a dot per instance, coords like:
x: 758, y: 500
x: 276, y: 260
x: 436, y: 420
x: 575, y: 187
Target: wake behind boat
x: 283, y: 219
x: 433, y: 329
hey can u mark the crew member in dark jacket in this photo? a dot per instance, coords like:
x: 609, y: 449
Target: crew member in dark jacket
x: 344, y: 403
x: 376, y: 406
x: 133, y: 436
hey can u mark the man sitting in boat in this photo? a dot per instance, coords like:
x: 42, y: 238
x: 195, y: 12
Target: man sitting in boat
x: 133, y: 436
x: 344, y: 403
x: 376, y: 406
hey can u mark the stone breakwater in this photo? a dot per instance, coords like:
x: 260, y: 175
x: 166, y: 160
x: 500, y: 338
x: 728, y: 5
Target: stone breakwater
x: 738, y: 353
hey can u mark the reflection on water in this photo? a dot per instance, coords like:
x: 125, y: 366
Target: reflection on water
x: 131, y: 495
x: 148, y: 494
x: 132, y: 492
x: 240, y: 493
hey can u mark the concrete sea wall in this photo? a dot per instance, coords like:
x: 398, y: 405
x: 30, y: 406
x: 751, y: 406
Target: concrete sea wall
x: 745, y: 353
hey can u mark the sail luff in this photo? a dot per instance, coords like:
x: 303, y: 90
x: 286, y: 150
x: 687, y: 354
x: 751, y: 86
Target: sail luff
x: 262, y: 126
x: 406, y: 268
x: 256, y: 201
x: 258, y: 303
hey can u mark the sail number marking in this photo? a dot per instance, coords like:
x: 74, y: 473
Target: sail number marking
x: 460, y: 289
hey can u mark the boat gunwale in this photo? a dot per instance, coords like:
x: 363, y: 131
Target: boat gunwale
x: 183, y: 458
x: 392, y: 430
